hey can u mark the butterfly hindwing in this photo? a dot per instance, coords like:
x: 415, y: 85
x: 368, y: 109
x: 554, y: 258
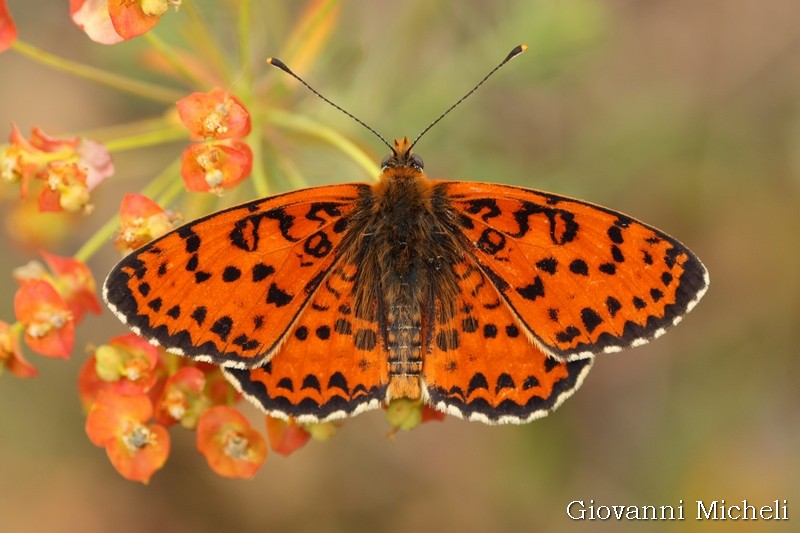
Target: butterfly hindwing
x: 481, y: 365
x: 226, y: 288
x: 332, y: 364
x: 581, y: 279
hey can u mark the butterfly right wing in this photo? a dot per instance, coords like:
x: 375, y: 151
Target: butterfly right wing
x: 481, y: 365
x: 582, y: 279
x: 226, y: 288
x: 332, y: 365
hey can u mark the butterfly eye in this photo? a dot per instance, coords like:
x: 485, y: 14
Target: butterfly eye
x: 386, y: 160
x: 416, y: 161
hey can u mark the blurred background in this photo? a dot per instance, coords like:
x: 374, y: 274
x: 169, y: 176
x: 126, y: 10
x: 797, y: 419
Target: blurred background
x: 684, y: 114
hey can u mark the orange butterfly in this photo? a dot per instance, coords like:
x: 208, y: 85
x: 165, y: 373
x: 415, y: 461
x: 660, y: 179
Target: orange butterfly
x: 485, y: 301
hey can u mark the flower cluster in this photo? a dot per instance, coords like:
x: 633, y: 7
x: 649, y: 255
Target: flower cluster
x: 134, y: 393
x: 66, y: 169
x: 224, y: 161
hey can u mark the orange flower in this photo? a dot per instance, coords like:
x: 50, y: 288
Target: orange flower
x: 217, y: 166
x: 119, y: 424
x: 129, y: 362
x: 218, y: 388
x: 8, y: 31
x: 92, y: 17
x: 182, y: 399
x: 285, y: 437
x: 214, y: 115
x: 213, y: 167
x: 133, y: 18
x: 10, y: 355
x: 49, y: 324
x: 113, y: 21
x: 141, y: 221
x: 69, y: 168
x: 71, y: 278
x: 75, y: 283
x: 89, y: 383
x: 231, y: 446
x: 430, y: 414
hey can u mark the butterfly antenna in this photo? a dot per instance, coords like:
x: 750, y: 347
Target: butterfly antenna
x: 281, y: 65
x: 511, y: 55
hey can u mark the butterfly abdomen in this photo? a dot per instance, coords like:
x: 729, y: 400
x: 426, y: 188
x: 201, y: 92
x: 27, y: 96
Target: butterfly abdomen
x: 409, y: 258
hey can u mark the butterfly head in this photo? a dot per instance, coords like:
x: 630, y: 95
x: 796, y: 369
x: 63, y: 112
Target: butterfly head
x: 402, y: 156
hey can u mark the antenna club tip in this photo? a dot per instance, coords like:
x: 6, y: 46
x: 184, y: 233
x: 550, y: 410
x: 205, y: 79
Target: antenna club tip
x: 516, y: 51
x: 275, y: 62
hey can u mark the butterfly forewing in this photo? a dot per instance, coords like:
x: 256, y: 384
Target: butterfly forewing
x: 580, y: 278
x: 332, y: 364
x: 481, y: 365
x: 227, y: 287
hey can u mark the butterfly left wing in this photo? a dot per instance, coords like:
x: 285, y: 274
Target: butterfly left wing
x: 581, y: 279
x: 332, y: 365
x: 227, y: 287
x: 480, y: 365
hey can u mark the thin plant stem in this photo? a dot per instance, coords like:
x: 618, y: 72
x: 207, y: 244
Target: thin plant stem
x: 310, y: 127
x: 244, y: 28
x: 208, y: 46
x: 258, y: 175
x: 147, y: 138
x: 102, y: 77
x: 175, y: 61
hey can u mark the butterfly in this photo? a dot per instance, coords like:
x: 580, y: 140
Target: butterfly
x: 484, y: 301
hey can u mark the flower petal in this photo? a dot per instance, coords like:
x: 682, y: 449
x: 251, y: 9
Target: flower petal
x: 231, y: 446
x: 92, y: 17
x: 129, y: 19
x: 140, y: 462
x: 10, y: 355
x: 49, y: 325
x: 75, y: 283
x: 216, y: 166
x: 8, y: 30
x: 285, y: 437
x: 214, y: 115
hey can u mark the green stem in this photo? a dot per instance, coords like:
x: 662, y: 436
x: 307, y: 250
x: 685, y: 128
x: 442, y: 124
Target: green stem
x: 175, y: 189
x: 297, y: 39
x: 165, y: 180
x: 147, y: 138
x: 207, y: 46
x: 305, y: 125
x: 178, y: 63
x: 259, y: 175
x: 289, y: 170
x: 102, y: 77
x: 109, y: 133
x: 96, y: 241
x: 244, y: 28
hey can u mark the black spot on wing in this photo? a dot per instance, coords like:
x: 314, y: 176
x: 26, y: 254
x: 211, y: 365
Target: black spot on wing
x: 199, y: 315
x: 261, y: 271
x: 222, y: 327
x: 590, y: 319
x: 548, y: 265
x: 613, y: 306
x: 277, y: 296
x: 579, y: 266
x: 231, y: 274
x: 532, y: 291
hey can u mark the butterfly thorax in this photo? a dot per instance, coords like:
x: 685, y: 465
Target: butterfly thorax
x: 405, y: 265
